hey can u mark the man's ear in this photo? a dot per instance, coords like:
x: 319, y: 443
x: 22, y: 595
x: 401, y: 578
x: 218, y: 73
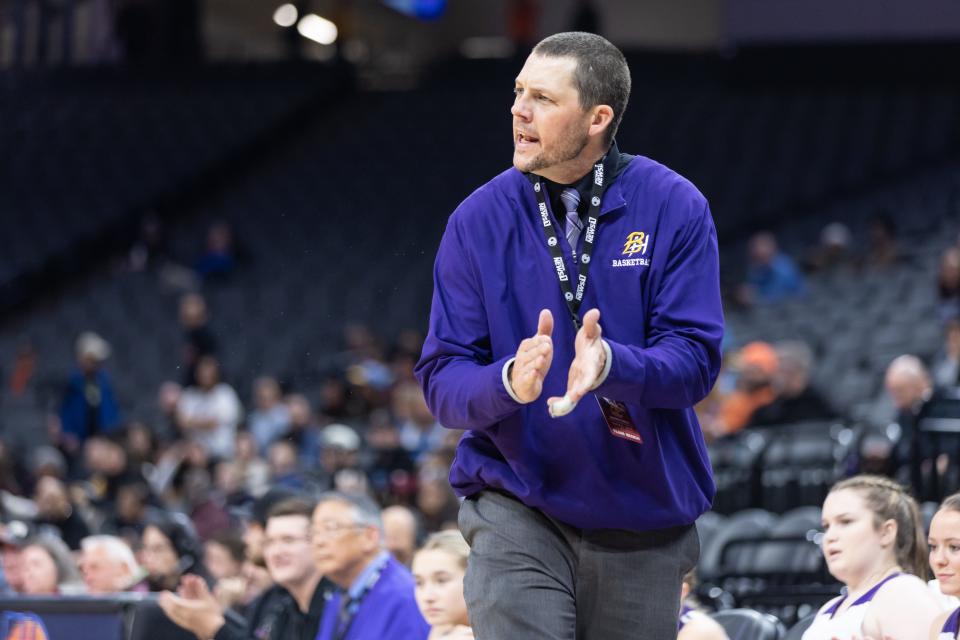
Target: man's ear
x: 601, y: 117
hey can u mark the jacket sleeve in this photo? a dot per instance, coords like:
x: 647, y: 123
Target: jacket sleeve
x: 463, y: 384
x: 681, y: 359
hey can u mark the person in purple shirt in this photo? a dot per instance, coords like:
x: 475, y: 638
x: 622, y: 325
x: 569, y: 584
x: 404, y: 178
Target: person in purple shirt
x: 375, y: 595
x: 579, y: 509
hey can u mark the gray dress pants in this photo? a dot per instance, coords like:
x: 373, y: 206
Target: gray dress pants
x: 531, y: 577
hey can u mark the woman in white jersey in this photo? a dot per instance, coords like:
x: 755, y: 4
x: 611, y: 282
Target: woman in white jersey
x: 944, y: 542
x: 873, y: 543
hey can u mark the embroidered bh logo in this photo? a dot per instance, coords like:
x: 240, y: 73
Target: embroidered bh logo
x: 637, y: 242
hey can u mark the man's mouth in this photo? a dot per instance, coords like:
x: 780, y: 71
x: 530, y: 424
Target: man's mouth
x: 523, y: 139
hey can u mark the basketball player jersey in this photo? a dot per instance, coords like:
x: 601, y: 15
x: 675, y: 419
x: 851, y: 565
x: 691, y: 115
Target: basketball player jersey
x: 829, y: 624
x: 951, y: 626
x: 687, y: 614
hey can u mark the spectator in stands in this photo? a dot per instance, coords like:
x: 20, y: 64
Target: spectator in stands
x: 206, y: 507
x: 171, y: 549
x: 270, y: 419
x: 391, y: 468
x: 348, y: 549
x: 252, y: 468
x: 304, y: 428
x: 198, y: 338
x: 795, y: 400
x: 209, y: 412
x: 290, y: 610
x: 772, y: 275
x: 223, y: 555
x: 400, y: 533
x: 756, y: 365
x: 833, y: 252
x: 149, y: 251
x: 948, y: 284
x: 12, y: 537
x: 54, y: 508
x: 438, y: 571
x: 435, y: 498
x: 284, y: 462
x: 945, y: 563
x: 217, y: 260
x: 340, y: 460
x: 908, y: 384
x: 881, y: 242
x: 420, y: 433
x: 49, y: 568
x: 873, y: 543
x: 694, y: 623
x: 946, y: 366
x: 108, y: 566
x: 89, y: 406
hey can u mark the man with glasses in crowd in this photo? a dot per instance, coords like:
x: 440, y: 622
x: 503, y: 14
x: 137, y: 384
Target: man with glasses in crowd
x: 375, y: 594
x: 291, y: 609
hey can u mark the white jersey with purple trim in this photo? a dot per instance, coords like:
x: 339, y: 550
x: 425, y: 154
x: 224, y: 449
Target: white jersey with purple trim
x: 832, y: 623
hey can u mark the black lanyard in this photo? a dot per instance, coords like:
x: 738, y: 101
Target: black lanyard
x: 573, y: 297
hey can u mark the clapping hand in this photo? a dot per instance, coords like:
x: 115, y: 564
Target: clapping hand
x: 532, y: 361
x: 588, y: 363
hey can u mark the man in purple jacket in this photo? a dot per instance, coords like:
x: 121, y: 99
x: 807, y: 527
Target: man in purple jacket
x: 375, y: 596
x: 579, y: 509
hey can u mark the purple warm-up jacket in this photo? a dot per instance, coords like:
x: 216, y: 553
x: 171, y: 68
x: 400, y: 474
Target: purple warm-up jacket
x: 659, y: 299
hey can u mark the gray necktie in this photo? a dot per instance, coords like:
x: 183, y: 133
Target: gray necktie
x: 571, y: 198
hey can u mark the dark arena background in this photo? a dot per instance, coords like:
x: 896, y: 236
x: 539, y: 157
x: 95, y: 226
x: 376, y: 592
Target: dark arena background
x: 232, y: 209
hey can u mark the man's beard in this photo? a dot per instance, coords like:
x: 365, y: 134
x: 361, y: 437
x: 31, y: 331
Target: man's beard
x: 569, y: 148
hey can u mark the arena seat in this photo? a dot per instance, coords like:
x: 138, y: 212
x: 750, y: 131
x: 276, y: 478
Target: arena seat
x: 796, y: 631
x: 746, y: 624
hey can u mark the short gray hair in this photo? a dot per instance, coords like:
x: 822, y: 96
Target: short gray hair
x: 115, y: 548
x: 602, y: 75
x: 366, y: 512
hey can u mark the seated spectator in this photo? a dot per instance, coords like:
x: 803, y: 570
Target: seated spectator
x: 108, y: 565
x: 209, y: 412
x: 948, y: 284
x: 270, y: 419
x: 12, y: 536
x: 881, y: 242
x: 756, y: 366
x: 348, y: 549
x: 198, y: 339
x: 435, y: 498
x: 420, y: 433
x: 438, y: 571
x: 833, y: 252
x: 290, y: 610
x: 946, y: 367
x: 873, y: 543
x: 223, y: 556
x: 89, y: 406
x: 49, y: 568
x: 772, y: 275
x: 304, y: 428
x: 284, y: 463
x: 340, y: 459
x: 907, y: 383
x: 694, y: 623
x: 55, y: 509
x: 171, y: 549
x: 400, y: 533
x: 218, y: 259
x: 795, y: 400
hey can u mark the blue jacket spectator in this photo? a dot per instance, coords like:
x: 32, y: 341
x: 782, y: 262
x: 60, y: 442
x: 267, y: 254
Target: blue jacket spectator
x: 773, y: 276
x: 89, y: 405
